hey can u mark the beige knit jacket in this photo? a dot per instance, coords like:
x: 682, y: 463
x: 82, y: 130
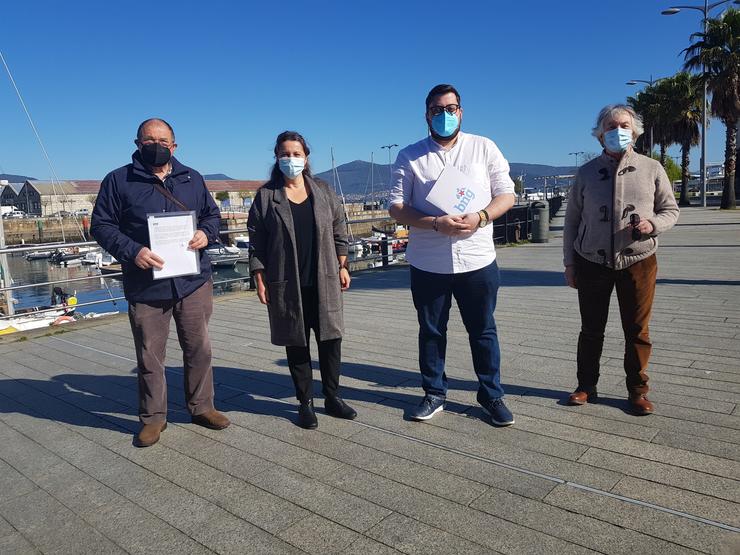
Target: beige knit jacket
x: 606, y: 192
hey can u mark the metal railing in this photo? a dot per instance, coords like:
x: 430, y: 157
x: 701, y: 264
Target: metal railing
x: 512, y: 227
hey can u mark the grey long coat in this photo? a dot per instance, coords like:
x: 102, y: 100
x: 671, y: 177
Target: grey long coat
x: 272, y: 249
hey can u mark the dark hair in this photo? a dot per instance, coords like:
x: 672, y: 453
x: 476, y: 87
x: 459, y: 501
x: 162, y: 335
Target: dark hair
x: 276, y: 176
x: 439, y: 90
x: 144, y: 123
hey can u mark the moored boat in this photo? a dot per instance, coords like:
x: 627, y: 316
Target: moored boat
x: 222, y: 256
x: 39, y: 255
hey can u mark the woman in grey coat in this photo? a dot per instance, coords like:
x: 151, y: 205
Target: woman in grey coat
x: 298, y: 256
x: 619, y: 204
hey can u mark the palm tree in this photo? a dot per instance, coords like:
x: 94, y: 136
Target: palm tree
x: 718, y: 51
x: 654, y: 107
x: 663, y: 129
x: 645, y: 104
x: 684, y: 97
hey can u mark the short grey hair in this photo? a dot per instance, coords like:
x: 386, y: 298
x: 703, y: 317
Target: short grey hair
x: 146, y: 122
x: 611, y: 110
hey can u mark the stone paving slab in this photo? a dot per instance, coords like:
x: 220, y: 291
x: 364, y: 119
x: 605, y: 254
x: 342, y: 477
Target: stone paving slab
x: 70, y: 480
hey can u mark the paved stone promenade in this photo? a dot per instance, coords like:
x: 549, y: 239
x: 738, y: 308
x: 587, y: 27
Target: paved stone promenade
x: 561, y: 480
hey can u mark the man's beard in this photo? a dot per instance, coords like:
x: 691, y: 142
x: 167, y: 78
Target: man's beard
x: 440, y: 138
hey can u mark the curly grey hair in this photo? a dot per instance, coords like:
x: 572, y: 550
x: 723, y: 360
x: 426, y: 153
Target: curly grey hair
x: 609, y: 111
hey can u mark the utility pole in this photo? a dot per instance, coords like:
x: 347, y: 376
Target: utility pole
x: 390, y: 164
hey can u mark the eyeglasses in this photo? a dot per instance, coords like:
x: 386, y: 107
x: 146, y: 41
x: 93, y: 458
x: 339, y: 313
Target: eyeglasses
x: 450, y: 109
x: 164, y: 142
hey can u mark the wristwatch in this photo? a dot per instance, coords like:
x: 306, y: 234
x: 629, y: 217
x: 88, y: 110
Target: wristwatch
x: 483, y: 215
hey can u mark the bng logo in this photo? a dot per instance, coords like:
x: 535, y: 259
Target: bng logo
x: 463, y: 197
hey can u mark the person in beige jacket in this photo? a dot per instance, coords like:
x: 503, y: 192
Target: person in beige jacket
x: 619, y: 204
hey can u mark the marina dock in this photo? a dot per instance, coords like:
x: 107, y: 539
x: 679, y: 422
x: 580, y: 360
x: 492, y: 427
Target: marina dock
x: 560, y: 480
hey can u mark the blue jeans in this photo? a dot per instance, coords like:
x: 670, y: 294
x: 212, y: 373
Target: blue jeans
x: 475, y: 293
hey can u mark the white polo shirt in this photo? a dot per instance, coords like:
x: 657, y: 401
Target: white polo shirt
x: 416, y: 170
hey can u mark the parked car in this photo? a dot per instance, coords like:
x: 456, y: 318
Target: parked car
x: 82, y: 212
x: 62, y: 214
x: 15, y: 214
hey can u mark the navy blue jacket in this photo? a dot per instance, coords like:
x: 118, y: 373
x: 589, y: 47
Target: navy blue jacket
x: 119, y: 224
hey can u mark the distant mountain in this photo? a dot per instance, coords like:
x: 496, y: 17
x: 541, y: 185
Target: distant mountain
x: 16, y: 178
x: 531, y: 171
x: 355, y: 176
x: 218, y: 177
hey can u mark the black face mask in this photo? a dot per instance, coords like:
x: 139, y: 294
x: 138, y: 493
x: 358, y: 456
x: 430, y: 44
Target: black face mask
x: 155, y: 154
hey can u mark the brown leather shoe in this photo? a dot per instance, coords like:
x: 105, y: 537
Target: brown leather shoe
x: 640, y: 405
x: 149, y: 434
x: 211, y: 419
x: 581, y: 397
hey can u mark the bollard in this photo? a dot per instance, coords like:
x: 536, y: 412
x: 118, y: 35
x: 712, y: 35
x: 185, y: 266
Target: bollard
x: 386, y: 249
x: 541, y: 223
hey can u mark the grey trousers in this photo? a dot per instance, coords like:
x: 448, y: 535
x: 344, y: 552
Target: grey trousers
x: 150, y: 325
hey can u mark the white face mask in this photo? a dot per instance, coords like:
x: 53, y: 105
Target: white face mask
x: 291, y: 167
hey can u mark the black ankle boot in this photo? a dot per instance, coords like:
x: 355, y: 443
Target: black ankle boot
x: 336, y: 407
x: 306, y: 415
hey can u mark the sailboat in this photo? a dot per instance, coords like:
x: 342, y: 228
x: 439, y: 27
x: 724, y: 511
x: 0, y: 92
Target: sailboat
x: 62, y: 306
x: 355, y: 245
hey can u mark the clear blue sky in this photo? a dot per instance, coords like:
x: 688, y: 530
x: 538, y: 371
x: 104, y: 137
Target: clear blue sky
x: 230, y: 75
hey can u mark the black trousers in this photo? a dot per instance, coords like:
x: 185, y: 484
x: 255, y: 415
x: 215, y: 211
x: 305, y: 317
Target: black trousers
x: 299, y: 358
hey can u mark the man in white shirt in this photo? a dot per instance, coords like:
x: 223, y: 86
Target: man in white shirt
x: 453, y: 255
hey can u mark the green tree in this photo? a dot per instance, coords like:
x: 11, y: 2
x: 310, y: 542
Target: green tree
x: 588, y: 156
x: 718, y: 51
x: 518, y: 185
x: 222, y: 196
x: 653, y: 105
x: 684, y: 97
x: 671, y: 168
x: 647, y: 104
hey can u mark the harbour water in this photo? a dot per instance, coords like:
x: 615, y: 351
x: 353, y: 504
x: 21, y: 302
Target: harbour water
x: 101, y: 288
x: 98, y: 288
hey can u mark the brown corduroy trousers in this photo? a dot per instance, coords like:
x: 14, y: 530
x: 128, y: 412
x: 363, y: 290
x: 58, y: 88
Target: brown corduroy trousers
x: 635, y: 287
x: 150, y: 325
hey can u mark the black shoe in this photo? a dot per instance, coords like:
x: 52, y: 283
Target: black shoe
x: 306, y: 416
x: 499, y: 413
x: 429, y: 406
x: 336, y: 407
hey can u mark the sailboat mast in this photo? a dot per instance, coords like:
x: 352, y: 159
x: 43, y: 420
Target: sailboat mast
x: 338, y: 183
x: 333, y: 171
x: 372, y: 180
x: 5, y: 278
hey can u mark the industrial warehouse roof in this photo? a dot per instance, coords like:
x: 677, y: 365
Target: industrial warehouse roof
x: 91, y: 187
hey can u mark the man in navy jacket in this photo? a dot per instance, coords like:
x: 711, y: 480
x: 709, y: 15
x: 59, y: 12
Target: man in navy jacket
x: 119, y: 225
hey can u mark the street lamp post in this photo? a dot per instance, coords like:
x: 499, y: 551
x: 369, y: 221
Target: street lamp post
x: 705, y: 12
x: 650, y: 83
x: 390, y: 164
x: 576, y: 155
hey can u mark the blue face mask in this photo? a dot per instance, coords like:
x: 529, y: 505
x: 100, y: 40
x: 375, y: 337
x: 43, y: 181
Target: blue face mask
x: 617, y: 140
x: 291, y: 167
x: 445, y: 124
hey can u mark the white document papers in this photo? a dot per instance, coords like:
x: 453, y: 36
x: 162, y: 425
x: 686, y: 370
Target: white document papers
x: 169, y: 235
x: 457, y: 193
